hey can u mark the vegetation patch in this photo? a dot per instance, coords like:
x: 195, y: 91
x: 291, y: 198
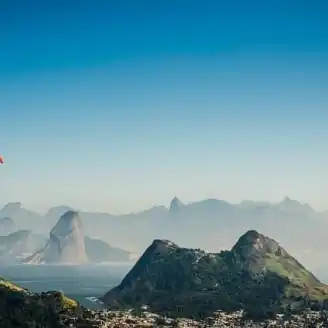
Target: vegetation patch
x: 8, y: 285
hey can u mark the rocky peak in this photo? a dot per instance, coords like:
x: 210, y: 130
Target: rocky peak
x: 55, y: 213
x: 162, y: 245
x: 159, y: 247
x: 253, y: 244
x: 67, y: 223
x: 175, y: 205
x: 10, y: 208
x: 259, y: 254
x: 66, y: 242
x: 294, y: 206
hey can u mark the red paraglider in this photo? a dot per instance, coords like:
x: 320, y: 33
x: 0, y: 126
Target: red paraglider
x: 1, y: 160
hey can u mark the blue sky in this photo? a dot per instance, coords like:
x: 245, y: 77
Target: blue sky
x: 119, y: 105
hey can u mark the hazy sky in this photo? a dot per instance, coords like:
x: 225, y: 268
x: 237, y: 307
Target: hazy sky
x: 119, y: 105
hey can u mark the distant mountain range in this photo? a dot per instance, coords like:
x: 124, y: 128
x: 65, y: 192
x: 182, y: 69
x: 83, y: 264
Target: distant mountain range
x: 18, y: 245
x: 257, y: 275
x: 212, y: 224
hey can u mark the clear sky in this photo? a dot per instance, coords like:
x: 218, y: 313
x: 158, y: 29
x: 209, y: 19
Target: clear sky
x: 119, y: 105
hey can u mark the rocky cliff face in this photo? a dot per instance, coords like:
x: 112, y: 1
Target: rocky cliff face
x: 65, y: 244
x: 176, y: 206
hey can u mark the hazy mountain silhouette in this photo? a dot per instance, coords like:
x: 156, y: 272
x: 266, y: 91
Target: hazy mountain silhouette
x: 99, y: 251
x: 20, y: 244
x: 176, y: 206
x: 7, y: 226
x: 212, y: 224
x: 55, y: 213
x: 65, y: 244
x: 23, y: 218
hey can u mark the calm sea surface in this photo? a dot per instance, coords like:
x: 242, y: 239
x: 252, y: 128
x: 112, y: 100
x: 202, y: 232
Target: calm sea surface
x: 83, y: 283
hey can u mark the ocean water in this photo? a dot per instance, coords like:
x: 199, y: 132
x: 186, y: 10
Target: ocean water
x: 84, y: 283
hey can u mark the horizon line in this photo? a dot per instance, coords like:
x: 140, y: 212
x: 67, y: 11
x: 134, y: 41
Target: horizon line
x: 286, y: 198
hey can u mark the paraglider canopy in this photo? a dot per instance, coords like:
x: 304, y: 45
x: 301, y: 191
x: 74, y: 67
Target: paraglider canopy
x: 1, y: 160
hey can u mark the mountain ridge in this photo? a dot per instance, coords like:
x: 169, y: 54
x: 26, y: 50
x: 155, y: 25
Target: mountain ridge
x: 207, y: 222
x: 19, y: 243
x: 65, y: 208
x: 257, y: 272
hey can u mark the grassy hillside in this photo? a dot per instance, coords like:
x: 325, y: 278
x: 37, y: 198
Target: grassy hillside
x: 257, y: 275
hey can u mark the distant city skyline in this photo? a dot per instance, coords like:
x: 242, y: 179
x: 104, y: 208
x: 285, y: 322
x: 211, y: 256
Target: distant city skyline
x: 115, y: 107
